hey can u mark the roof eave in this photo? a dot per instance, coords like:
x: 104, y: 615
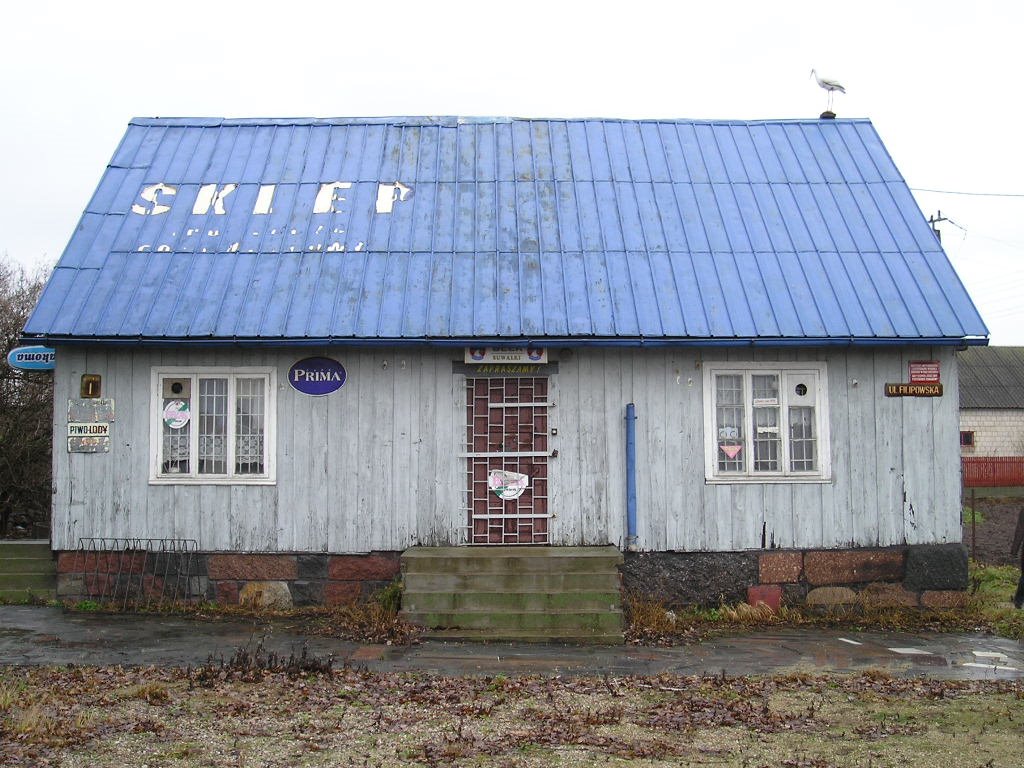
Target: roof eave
x: 54, y: 340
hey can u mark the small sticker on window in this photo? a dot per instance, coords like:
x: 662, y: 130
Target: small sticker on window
x: 176, y: 414
x: 732, y: 451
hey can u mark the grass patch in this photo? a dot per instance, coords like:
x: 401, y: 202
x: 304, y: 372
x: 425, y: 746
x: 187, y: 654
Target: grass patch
x: 29, y: 598
x: 970, y: 515
x: 429, y: 720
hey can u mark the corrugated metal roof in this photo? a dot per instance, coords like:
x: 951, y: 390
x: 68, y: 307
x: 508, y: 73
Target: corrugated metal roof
x: 992, y: 377
x: 509, y: 230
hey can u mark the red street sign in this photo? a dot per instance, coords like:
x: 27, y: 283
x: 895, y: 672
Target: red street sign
x: 924, y: 371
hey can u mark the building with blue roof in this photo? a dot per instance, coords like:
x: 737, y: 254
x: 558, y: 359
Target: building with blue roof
x: 489, y: 295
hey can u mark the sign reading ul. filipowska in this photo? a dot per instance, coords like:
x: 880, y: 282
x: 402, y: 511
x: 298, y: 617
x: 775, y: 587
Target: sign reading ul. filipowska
x: 317, y: 376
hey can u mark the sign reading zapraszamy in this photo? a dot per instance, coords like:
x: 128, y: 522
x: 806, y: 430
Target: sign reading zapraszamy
x: 317, y: 376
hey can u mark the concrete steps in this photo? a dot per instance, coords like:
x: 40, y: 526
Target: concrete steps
x: 528, y: 594
x: 27, y: 570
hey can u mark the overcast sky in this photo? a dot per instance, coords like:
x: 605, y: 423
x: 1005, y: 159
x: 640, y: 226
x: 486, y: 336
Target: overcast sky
x: 940, y: 80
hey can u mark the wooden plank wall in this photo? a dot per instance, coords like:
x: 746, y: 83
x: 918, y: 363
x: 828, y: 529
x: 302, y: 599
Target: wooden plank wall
x: 895, y: 461
x: 370, y: 467
x: 374, y: 466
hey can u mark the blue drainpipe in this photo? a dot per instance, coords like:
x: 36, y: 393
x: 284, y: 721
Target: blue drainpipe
x: 630, y: 477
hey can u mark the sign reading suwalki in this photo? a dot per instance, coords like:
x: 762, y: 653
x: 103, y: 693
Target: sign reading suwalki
x: 506, y: 355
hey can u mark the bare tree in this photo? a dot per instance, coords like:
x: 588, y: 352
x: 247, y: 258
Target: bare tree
x: 26, y: 413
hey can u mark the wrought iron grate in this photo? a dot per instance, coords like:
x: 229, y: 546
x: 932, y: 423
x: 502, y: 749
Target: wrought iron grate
x: 138, y: 572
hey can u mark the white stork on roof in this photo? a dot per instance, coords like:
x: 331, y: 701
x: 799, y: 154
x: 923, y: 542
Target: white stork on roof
x: 829, y: 85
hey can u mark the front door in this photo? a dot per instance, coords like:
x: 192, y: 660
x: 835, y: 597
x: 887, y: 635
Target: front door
x: 507, y: 460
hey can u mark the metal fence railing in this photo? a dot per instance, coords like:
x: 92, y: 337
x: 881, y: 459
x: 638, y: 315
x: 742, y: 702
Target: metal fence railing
x: 992, y: 471
x: 123, y: 572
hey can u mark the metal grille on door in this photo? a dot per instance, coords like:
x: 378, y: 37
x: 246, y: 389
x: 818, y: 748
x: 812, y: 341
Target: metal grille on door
x: 507, y: 439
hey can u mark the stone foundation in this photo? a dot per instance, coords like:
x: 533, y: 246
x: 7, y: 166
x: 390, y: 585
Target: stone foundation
x: 262, y: 580
x: 932, y: 576
x: 927, y: 575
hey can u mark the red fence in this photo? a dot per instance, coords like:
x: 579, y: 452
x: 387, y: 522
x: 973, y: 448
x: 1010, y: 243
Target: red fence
x: 992, y: 471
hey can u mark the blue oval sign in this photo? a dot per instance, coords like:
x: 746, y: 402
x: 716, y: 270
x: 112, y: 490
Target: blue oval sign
x: 317, y: 376
x: 32, y: 358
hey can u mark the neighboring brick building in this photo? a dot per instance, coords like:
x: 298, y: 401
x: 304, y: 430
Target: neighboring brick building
x: 992, y: 401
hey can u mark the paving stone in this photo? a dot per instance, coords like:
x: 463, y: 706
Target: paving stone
x: 198, y: 586
x: 312, y: 566
x: 266, y: 594
x: 690, y: 578
x: 886, y: 595
x: 371, y: 588
x: 307, y: 592
x: 341, y: 592
x: 835, y: 602
x: 377, y: 566
x: 830, y: 596
x: 936, y: 567
x: 780, y: 567
x: 766, y: 594
x: 852, y: 566
x: 70, y: 585
x: 252, y: 567
x: 794, y: 594
x: 226, y: 592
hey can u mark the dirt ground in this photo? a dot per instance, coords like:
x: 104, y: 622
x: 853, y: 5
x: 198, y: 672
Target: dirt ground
x: 993, y: 530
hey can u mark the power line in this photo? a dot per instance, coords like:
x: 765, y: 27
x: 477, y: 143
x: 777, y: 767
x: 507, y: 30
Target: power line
x: 971, y: 194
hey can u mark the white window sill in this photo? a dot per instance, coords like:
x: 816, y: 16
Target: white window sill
x: 212, y: 481
x: 768, y: 480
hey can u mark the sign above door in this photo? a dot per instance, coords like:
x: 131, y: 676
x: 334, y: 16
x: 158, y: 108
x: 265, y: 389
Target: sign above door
x: 506, y: 355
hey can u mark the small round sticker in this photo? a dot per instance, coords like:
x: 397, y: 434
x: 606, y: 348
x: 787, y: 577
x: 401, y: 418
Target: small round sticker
x: 176, y: 414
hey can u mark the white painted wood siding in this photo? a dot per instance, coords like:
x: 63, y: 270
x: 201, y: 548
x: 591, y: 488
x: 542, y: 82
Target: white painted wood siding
x: 370, y: 467
x: 374, y: 465
x: 895, y: 461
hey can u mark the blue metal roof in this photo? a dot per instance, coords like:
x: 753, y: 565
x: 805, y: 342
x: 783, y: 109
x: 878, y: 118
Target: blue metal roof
x: 450, y: 230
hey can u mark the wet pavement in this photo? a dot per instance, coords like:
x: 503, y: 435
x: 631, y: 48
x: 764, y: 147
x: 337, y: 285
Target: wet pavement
x: 32, y: 635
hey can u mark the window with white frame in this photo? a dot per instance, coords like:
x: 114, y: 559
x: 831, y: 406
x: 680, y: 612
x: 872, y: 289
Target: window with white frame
x: 766, y: 422
x: 213, y: 425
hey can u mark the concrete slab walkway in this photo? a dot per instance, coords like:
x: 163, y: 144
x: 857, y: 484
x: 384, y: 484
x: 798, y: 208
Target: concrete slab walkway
x: 31, y: 635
